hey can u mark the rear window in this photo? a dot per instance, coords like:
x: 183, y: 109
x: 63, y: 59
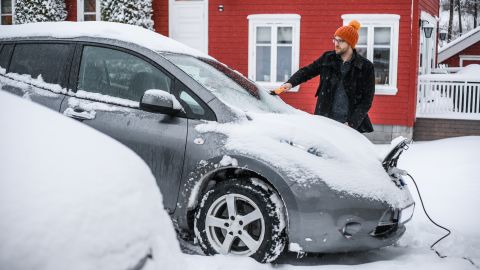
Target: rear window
x: 47, y: 60
x: 5, y: 53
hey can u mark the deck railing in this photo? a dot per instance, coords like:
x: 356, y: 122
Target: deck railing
x: 448, y: 99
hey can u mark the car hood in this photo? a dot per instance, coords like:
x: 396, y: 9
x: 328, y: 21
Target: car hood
x: 308, y: 149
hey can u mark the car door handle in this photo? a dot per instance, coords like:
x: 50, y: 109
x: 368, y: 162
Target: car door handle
x: 79, y: 114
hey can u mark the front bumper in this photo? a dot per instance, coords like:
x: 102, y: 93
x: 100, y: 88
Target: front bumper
x: 329, y: 222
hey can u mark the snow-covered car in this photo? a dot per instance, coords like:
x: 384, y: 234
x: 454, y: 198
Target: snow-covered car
x: 238, y: 168
x: 66, y: 205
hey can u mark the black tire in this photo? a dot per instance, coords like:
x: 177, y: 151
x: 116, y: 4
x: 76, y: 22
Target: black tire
x: 269, y: 247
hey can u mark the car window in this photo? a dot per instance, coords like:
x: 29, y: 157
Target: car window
x: 47, y: 60
x: 193, y: 106
x: 119, y: 74
x: 5, y: 54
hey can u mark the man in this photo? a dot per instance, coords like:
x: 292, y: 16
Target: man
x: 347, y: 81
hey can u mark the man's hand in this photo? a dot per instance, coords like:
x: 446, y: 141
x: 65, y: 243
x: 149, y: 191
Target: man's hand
x: 281, y: 89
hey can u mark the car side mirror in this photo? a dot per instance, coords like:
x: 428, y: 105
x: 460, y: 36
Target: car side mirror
x: 160, y: 101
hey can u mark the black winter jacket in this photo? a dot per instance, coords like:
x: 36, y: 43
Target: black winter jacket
x: 359, y: 84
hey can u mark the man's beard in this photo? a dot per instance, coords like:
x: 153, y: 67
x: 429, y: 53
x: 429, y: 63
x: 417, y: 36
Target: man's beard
x: 340, y: 52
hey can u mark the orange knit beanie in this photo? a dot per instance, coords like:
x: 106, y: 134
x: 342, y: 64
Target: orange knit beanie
x: 349, y: 33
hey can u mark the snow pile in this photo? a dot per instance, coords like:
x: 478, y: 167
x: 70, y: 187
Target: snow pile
x: 137, y: 12
x: 470, y: 73
x: 28, y: 11
x: 124, y: 32
x: 446, y: 172
x: 309, y: 149
x: 72, y: 198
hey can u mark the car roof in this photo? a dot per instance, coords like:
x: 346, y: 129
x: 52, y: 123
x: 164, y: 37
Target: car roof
x: 98, y: 29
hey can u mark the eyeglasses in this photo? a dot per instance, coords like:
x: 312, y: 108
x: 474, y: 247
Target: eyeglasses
x: 338, y: 41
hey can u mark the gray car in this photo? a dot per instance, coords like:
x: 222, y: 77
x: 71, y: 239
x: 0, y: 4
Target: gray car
x: 239, y: 170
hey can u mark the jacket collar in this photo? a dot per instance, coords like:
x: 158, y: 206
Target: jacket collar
x: 356, y: 59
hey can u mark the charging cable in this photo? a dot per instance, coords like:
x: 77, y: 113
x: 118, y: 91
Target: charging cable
x: 436, y: 224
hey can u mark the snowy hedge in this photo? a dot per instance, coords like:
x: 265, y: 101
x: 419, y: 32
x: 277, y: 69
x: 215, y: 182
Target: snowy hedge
x: 27, y: 11
x: 137, y: 12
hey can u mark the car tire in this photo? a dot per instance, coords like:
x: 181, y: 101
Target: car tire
x: 241, y: 217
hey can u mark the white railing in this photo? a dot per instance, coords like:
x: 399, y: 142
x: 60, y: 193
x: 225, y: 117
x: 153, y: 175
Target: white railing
x: 448, y: 99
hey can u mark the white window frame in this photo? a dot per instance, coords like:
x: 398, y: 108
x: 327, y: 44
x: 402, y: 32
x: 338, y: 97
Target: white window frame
x: 273, y: 20
x: 13, y: 12
x: 81, y: 13
x: 381, y: 20
x: 468, y: 58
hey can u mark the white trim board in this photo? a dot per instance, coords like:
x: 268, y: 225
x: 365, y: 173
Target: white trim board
x: 468, y: 58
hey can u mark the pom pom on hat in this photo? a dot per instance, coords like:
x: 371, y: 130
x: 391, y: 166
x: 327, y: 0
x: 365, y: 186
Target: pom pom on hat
x: 355, y: 24
x: 349, y: 33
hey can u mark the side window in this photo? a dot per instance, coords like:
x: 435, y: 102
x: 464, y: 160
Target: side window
x: 193, y: 106
x: 119, y: 74
x: 49, y: 61
x: 5, y: 54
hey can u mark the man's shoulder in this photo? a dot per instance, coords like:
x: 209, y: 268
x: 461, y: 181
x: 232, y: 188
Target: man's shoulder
x: 363, y: 62
x: 328, y: 54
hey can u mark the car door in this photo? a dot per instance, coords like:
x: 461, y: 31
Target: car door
x: 109, y: 85
x: 44, y: 67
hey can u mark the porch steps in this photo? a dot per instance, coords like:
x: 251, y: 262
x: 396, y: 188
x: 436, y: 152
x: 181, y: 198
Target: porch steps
x: 426, y: 129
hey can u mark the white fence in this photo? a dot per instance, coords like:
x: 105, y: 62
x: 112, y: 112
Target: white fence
x: 448, y: 99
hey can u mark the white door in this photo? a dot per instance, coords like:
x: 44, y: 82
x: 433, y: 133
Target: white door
x: 188, y: 23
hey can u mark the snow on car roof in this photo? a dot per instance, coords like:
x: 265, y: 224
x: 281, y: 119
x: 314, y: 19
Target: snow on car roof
x: 124, y: 32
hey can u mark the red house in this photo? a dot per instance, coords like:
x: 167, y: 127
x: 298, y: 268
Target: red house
x: 269, y: 40
x: 462, y: 51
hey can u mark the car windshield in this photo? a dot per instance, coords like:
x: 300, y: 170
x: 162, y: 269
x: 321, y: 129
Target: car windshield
x: 228, y: 85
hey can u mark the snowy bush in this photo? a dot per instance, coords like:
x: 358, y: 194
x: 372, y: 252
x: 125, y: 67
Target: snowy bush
x: 27, y: 11
x: 137, y: 12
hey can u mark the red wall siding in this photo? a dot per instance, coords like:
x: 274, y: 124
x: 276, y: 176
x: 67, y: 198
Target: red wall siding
x: 160, y: 16
x: 430, y: 6
x: 454, y: 61
x: 228, y: 42
x: 71, y: 10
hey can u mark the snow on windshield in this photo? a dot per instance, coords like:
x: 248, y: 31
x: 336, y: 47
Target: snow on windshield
x: 311, y: 149
x: 229, y: 86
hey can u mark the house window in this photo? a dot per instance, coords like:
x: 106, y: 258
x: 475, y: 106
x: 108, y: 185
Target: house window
x: 378, y: 42
x: 88, y: 10
x: 273, y: 48
x: 7, y: 10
